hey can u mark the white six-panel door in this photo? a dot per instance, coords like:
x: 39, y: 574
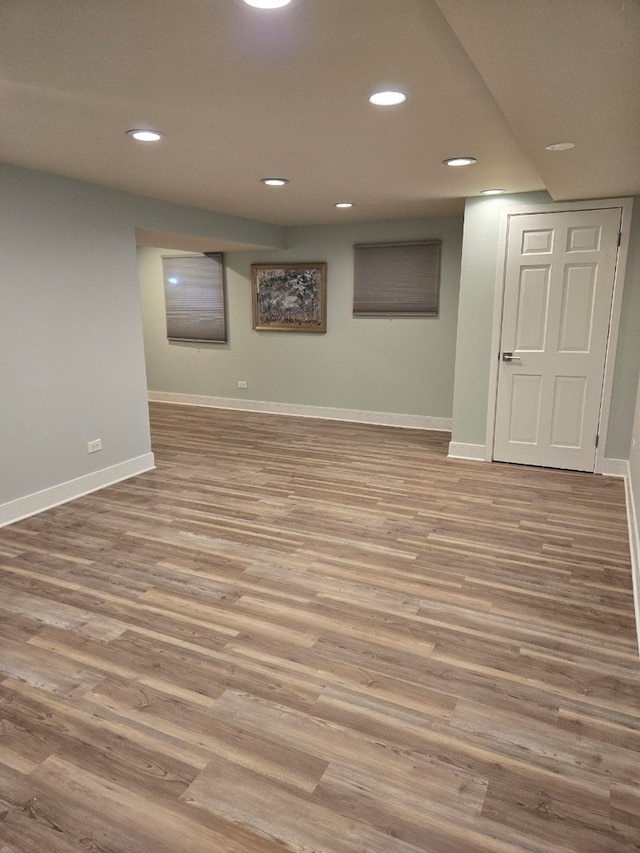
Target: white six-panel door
x: 559, y: 277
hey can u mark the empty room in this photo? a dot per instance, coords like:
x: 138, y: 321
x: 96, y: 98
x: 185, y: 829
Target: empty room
x: 320, y: 426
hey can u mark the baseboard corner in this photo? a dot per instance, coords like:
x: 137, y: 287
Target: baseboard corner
x: 615, y: 467
x: 472, y: 452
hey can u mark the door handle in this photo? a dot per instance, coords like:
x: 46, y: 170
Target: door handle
x: 509, y: 356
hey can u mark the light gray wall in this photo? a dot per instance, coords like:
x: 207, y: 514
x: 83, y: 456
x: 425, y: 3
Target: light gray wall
x: 625, y: 379
x: 402, y: 366
x: 71, y: 347
x: 475, y: 312
x: 475, y: 322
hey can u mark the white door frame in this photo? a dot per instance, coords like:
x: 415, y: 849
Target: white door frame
x: 626, y: 206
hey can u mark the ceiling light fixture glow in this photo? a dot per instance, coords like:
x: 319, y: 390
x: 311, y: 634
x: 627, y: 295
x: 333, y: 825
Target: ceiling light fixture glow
x: 275, y: 182
x: 493, y: 191
x: 343, y: 204
x: 560, y: 146
x: 387, y: 99
x: 267, y: 4
x: 460, y: 161
x: 145, y: 135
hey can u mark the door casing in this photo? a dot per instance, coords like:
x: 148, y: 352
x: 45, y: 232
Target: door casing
x: 625, y: 205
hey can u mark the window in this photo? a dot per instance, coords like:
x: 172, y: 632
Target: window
x: 396, y: 279
x: 194, y: 296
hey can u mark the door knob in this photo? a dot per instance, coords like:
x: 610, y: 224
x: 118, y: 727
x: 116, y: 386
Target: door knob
x: 509, y: 356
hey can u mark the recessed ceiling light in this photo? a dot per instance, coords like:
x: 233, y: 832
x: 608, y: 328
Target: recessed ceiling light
x: 275, y: 182
x: 343, y: 204
x: 560, y: 146
x: 460, y: 161
x: 387, y: 98
x: 494, y: 191
x: 145, y: 135
x: 267, y: 4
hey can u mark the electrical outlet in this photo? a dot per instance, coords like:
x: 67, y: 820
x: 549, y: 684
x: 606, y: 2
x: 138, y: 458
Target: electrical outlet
x: 94, y: 446
x: 242, y: 383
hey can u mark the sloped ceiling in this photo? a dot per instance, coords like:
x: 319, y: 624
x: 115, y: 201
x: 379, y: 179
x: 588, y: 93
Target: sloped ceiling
x: 242, y: 94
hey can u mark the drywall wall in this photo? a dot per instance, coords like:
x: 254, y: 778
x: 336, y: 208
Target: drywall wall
x: 624, y: 379
x: 71, y: 348
x: 627, y: 362
x: 402, y: 365
x: 475, y: 321
x: 72, y: 359
x: 475, y: 312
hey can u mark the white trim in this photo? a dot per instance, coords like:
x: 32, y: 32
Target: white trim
x: 353, y: 415
x: 621, y: 468
x: 48, y: 498
x: 634, y: 543
x: 625, y: 205
x: 476, y: 452
x: 614, y: 467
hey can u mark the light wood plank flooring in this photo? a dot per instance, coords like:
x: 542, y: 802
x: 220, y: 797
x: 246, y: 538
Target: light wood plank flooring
x: 300, y: 635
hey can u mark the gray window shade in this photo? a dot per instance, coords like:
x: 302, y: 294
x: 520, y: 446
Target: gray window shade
x: 396, y: 279
x: 195, y: 298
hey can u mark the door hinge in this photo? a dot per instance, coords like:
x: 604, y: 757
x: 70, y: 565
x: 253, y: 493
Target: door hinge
x: 619, y: 237
x: 597, y: 440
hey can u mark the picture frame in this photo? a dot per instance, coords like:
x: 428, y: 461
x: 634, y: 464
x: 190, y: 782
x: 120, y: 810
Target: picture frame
x: 289, y: 297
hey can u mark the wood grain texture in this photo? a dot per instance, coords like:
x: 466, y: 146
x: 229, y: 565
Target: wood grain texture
x: 320, y: 637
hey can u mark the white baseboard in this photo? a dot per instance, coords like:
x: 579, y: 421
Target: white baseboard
x: 63, y: 492
x: 615, y: 468
x: 459, y: 450
x: 621, y: 468
x: 634, y: 543
x: 475, y: 452
x: 353, y: 415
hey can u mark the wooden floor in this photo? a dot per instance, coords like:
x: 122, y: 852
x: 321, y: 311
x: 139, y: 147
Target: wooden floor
x: 300, y: 635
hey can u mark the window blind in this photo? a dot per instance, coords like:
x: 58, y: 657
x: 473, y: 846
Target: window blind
x: 194, y: 297
x: 396, y: 279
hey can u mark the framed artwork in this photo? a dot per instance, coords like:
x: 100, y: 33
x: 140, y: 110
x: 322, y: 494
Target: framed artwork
x: 289, y: 297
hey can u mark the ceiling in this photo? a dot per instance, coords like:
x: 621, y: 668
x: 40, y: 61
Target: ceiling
x: 242, y: 94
